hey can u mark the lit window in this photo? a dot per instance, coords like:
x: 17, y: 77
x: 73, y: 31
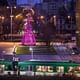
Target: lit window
x: 60, y: 69
x: 70, y: 69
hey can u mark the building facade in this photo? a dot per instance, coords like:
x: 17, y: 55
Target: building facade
x: 64, y: 12
x: 78, y: 21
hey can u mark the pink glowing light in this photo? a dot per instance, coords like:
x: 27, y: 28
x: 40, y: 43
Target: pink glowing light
x: 28, y: 37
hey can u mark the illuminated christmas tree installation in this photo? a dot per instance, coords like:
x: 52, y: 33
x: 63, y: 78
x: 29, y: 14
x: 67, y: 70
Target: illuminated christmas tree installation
x: 28, y: 37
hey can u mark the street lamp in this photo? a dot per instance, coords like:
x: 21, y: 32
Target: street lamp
x: 69, y: 17
x: 31, y: 49
x: 54, y: 17
x: 11, y: 18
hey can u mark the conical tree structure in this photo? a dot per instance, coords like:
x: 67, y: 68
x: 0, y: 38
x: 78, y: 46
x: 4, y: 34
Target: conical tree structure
x: 28, y: 37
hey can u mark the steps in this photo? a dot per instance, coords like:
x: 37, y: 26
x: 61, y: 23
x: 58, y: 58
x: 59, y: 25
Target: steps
x: 37, y: 50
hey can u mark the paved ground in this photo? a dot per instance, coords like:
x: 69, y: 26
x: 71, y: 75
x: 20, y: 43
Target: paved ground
x: 8, y: 47
x: 57, y: 77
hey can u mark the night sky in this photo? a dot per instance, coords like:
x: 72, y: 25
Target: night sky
x: 3, y: 3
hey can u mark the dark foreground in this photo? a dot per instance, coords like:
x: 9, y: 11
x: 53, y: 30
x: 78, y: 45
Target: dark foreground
x: 64, y: 77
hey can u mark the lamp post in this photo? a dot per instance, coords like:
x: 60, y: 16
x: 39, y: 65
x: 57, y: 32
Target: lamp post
x: 31, y: 49
x: 11, y: 18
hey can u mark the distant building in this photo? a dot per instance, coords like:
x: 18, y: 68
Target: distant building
x: 3, y: 3
x: 28, y: 2
x: 64, y: 10
x: 11, y: 2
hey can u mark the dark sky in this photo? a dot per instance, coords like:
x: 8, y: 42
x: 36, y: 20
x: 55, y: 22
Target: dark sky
x: 3, y: 3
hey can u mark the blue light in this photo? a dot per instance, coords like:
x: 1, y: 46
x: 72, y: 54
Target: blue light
x: 22, y: 2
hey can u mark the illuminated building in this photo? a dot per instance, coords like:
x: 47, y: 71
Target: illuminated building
x: 28, y: 2
x: 62, y: 9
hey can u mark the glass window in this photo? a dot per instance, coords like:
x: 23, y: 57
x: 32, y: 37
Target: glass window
x: 60, y: 69
x: 44, y: 68
x: 50, y: 69
x: 30, y: 68
x: 2, y: 68
x: 38, y: 68
x: 71, y: 69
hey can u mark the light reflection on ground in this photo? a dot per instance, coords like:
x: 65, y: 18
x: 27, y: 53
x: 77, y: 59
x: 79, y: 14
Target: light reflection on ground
x: 8, y: 47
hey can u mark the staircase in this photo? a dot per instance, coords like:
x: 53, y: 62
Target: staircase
x: 43, y: 50
x: 36, y: 50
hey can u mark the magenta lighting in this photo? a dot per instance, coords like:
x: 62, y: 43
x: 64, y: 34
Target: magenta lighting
x: 28, y: 37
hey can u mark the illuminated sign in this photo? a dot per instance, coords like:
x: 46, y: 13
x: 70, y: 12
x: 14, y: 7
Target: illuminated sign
x: 44, y: 68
